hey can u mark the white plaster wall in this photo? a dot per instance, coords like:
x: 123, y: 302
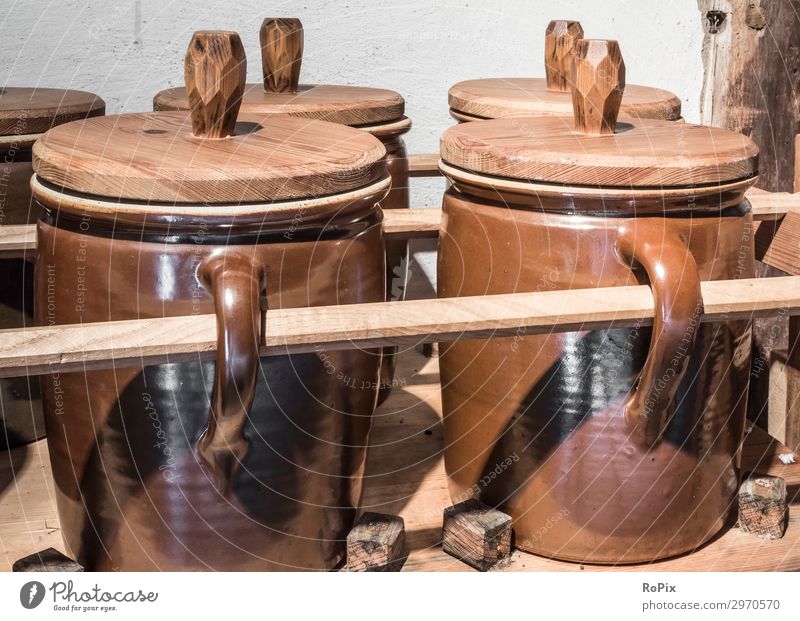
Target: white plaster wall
x: 127, y: 50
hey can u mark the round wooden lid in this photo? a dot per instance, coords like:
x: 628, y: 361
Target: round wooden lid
x: 156, y: 157
x: 347, y: 105
x: 281, y: 92
x: 590, y: 148
x: 640, y: 153
x: 25, y: 111
x: 493, y: 98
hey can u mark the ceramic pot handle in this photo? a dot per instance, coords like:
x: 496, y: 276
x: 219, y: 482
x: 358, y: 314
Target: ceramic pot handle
x: 675, y: 282
x: 236, y: 285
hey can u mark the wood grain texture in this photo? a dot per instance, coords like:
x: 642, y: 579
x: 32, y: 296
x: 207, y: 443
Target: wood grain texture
x: 66, y: 348
x: 492, y: 98
x: 377, y: 543
x: 642, y: 153
x: 215, y: 70
x: 347, y: 105
x: 779, y: 246
x: 560, y: 39
x: 762, y: 506
x: 17, y: 240
x: 476, y: 534
x: 36, y: 110
x: 750, y: 83
x: 598, y: 81
x: 405, y: 476
x: 281, y: 53
x: 424, y: 165
x: 156, y: 157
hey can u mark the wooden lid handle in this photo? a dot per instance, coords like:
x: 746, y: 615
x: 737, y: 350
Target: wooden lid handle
x: 559, y: 46
x: 281, y: 53
x: 215, y: 71
x: 598, y: 80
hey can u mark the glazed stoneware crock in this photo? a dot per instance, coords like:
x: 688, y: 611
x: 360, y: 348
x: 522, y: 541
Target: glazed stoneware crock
x: 249, y: 461
x: 25, y: 113
x: 613, y: 445
x: 493, y: 98
x: 373, y: 110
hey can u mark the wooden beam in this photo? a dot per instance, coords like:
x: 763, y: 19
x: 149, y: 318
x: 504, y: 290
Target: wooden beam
x: 424, y: 165
x: 750, y: 83
x: 32, y: 351
x: 16, y: 240
x: 411, y: 223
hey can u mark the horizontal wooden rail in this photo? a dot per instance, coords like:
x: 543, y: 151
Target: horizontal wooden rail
x: 416, y: 223
x: 424, y: 165
x: 60, y: 349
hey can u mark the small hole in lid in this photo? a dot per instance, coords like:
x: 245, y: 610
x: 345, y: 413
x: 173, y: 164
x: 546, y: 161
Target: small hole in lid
x: 153, y: 132
x: 246, y: 127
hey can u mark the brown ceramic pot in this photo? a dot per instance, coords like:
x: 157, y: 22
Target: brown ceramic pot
x: 618, y: 445
x: 250, y: 463
x: 374, y: 110
x: 24, y: 114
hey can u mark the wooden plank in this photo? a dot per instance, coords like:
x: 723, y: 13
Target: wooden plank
x: 424, y: 165
x: 36, y: 350
x: 411, y: 223
x: 750, y: 81
x: 16, y: 240
x: 405, y: 476
x: 778, y: 244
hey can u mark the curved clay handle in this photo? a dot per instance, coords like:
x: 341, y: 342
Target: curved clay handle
x: 675, y: 282
x: 236, y: 286
x: 281, y: 53
x: 215, y: 70
x: 559, y: 47
x: 598, y: 81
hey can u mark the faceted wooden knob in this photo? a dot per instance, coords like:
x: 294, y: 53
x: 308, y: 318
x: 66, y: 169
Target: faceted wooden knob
x: 281, y: 53
x: 215, y: 70
x: 559, y: 47
x: 598, y: 80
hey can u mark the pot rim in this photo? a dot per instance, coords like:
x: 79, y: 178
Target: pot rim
x: 611, y: 200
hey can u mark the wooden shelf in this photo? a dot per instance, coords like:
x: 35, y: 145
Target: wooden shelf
x: 405, y: 476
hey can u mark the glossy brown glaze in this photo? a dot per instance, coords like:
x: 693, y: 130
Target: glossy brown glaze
x: 609, y: 446
x: 22, y: 420
x: 396, y: 251
x: 24, y: 112
x: 157, y: 469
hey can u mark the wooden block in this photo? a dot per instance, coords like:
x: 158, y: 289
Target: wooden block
x: 477, y: 534
x: 377, y: 543
x: 762, y: 506
x: 46, y: 560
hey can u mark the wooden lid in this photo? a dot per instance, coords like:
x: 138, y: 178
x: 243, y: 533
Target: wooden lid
x: 494, y: 98
x: 591, y: 149
x: 281, y: 92
x: 25, y: 111
x: 347, y: 105
x: 209, y: 156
